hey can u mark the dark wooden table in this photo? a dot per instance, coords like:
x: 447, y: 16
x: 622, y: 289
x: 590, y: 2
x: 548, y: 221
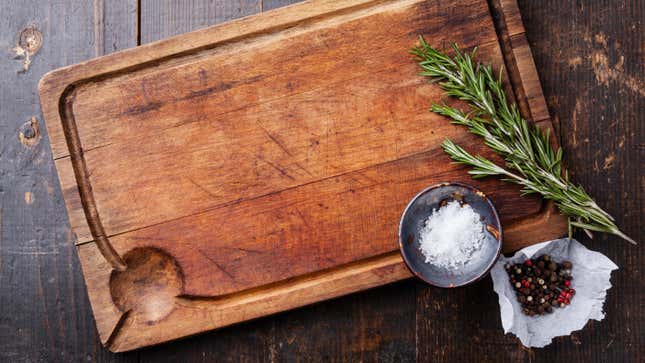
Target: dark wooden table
x: 591, y: 59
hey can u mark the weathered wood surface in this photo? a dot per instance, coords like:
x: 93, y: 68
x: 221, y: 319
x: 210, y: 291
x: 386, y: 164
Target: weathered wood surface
x: 267, y: 169
x: 45, y: 316
x: 44, y: 313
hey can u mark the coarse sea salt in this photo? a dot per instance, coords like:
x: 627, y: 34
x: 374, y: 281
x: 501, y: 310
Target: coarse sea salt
x: 451, y: 235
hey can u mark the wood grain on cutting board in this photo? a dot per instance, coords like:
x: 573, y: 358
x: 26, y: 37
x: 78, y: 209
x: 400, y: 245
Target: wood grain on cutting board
x: 267, y: 159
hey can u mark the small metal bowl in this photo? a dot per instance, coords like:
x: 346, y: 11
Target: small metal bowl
x: 414, y: 217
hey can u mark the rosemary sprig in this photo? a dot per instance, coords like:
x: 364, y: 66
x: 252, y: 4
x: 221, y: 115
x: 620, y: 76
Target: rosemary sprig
x: 530, y: 159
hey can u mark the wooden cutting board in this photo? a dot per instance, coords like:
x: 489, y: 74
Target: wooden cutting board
x: 263, y: 164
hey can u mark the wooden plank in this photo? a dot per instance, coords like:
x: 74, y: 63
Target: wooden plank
x: 105, y: 127
x: 562, y: 38
x: 81, y: 229
x: 377, y: 325
x: 598, y: 121
x: 207, y: 38
x: 512, y: 16
x: 122, y: 332
x: 164, y: 18
x: 434, y: 309
x: 531, y: 82
x: 257, y: 165
x: 119, y: 29
x: 45, y: 315
x: 519, y: 61
x: 282, y: 153
x: 372, y: 326
x: 593, y: 76
x: 274, y: 4
x: 353, y: 216
x: 239, y: 77
x: 244, y: 342
x: 349, y: 329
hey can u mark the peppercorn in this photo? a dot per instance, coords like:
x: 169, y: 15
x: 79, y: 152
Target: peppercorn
x: 526, y: 291
x: 538, y: 273
x: 541, y: 284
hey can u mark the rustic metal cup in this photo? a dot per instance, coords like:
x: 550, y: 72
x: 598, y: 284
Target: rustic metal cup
x: 414, y: 217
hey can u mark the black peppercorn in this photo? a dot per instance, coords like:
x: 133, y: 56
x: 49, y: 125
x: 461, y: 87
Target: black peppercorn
x: 526, y: 291
x: 541, y: 284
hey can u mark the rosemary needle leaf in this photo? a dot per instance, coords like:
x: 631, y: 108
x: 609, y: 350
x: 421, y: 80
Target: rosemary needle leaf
x: 530, y: 160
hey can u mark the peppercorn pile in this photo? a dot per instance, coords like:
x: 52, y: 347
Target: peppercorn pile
x: 541, y: 284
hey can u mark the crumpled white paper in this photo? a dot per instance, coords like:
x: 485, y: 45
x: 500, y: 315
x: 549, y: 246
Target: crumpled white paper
x: 591, y: 273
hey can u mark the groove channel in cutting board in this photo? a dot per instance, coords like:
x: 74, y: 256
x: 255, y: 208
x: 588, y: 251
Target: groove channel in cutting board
x: 261, y: 68
x: 243, y: 123
x: 262, y: 165
x: 215, y: 134
x: 306, y: 229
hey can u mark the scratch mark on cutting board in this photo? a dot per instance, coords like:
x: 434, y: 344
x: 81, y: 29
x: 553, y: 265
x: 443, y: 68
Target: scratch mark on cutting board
x: 215, y: 263
x: 275, y: 140
x: 279, y: 169
x: 214, y: 196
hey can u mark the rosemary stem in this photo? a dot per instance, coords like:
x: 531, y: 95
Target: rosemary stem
x: 525, y: 148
